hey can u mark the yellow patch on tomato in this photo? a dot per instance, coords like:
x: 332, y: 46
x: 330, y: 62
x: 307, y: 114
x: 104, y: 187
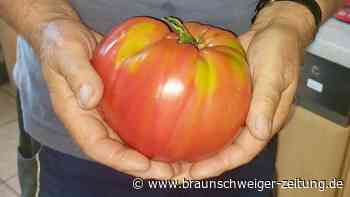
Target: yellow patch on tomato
x: 133, y: 67
x: 137, y: 38
x: 134, y: 62
x: 205, y: 77
x: 239, y: 66
x: 234, y: 44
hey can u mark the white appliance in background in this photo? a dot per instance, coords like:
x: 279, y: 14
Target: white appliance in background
x: 333, y: 42
x: 324, y: 86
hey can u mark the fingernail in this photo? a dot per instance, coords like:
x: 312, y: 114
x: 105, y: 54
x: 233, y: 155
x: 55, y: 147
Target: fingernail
x: 85, y: 93
x: 263, y: 127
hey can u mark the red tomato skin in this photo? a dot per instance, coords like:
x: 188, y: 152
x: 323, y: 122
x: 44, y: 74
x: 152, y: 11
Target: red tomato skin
x: 172, y: 101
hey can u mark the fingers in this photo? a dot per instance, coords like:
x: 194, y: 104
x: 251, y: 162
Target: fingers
x: 241, y: 152
x: 266, y: 96
x: 267, y: 69
x: 273, y: 61
x: 90, y: 133
x: 273, y: 94
x: 75, y: 67
x: 267, y: 86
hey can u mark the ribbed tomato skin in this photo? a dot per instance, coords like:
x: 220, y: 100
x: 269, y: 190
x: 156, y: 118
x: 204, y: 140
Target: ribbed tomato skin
x: 172, y: 101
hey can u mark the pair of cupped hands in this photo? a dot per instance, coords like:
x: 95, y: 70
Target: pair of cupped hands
x: 65, y: 47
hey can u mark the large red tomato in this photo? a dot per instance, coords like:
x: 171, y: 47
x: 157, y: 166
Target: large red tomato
x: 178, y: 93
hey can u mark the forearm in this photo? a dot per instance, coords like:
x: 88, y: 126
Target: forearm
x: 297, y: 16
x: 28, y: 17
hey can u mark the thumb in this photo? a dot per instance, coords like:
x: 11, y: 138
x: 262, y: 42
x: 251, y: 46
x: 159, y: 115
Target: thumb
x: 266, y: 97
x: 267, y: 85
x: 75, y: 66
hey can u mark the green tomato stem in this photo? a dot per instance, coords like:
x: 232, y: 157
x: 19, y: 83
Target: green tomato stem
x: 178, y: 27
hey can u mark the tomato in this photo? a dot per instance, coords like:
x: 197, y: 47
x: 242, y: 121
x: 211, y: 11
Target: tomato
x: 173, y: 91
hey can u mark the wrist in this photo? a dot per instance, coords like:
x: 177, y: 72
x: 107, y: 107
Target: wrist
x: 292, y: 15
x: 34, y: 19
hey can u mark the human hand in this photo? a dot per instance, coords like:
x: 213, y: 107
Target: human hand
x: 64, y: 49
x: 274, y: 54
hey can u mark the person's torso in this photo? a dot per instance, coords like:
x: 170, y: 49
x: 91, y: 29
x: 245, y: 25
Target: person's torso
x: 101, y: 15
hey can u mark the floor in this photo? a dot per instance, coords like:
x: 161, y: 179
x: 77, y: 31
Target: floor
x: 9, y: 185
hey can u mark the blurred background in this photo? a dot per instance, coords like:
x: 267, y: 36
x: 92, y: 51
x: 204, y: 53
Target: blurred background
x: 9, y: 186
x: 314, y: 144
